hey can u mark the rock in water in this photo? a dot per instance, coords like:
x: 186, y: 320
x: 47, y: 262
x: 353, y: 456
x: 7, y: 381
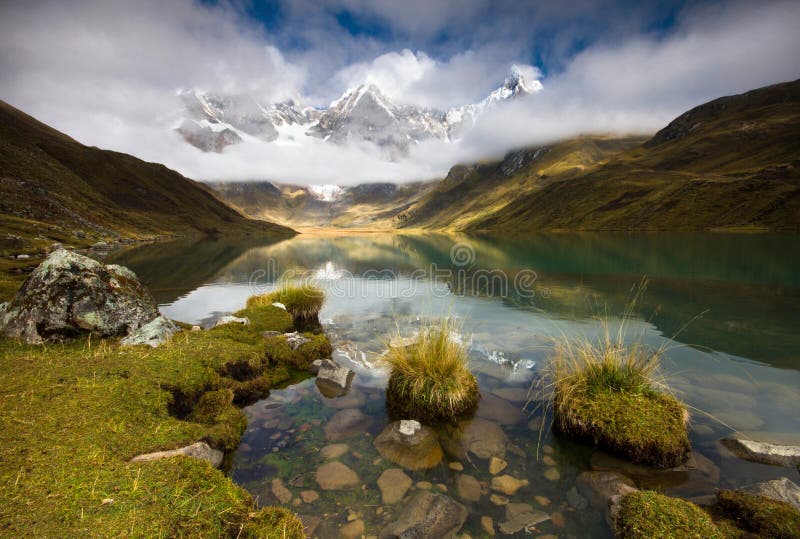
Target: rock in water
x: 409, y: 444
x: 427, y: 515
x: 780, y: 455
x: 393, y: 484
x: 346, y: 424
x: 154, y: 333
x: 782, y: 490
x: 333, y: 380
x: 69, y: 294
x: 336, y: 476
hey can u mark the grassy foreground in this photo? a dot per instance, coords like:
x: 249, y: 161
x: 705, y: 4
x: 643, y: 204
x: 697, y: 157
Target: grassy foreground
x: 73, y: 415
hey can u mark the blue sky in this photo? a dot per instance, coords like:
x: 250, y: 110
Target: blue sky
x: 107, y: 72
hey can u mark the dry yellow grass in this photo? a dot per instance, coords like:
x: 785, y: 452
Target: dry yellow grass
x: 430, y: 380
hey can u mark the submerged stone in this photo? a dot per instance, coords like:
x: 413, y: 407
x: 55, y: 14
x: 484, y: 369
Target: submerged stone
x: 478, y: 436
x: 409, y: 444
x: 336, y: 476
x: 427, y: 515
x: 393, y: 484
x: 508, y: 484
x: 346, y: 424
x: 468, y: 488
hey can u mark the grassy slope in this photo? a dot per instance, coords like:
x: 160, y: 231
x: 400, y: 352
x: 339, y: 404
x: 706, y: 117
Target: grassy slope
x: 52, y: 186
x: 293, y: 206
x: 731, y: 163
x: 472, y: 193
x: 72, y: 416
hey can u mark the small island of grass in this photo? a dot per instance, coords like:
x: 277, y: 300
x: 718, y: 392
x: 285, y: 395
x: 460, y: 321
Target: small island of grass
x: 607, y: 393
x: 303, y: 301
x: 430, y: 380
x: 650, y: 515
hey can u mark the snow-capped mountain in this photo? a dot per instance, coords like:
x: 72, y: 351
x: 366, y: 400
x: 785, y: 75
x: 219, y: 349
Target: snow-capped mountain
x: 361, y: 114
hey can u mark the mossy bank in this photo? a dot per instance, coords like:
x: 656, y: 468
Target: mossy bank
x: 73, y: 415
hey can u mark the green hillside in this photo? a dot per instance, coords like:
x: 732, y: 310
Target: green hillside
x: 54, y: 189
x: 732, y: 163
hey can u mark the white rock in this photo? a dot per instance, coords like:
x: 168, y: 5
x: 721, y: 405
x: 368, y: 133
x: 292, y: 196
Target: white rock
x: 232, y: 320
x: 198, y: 450
x: 279, y: 305
x: 153, y: 334
x: 196, y: 328
x: 780, y: 455
x: 409, y: 426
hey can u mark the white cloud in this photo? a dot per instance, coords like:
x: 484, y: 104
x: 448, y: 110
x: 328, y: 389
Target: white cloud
x: 106, y: 73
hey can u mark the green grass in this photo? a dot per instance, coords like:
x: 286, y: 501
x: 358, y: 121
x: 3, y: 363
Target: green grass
x: 766, y: 517
x: 73, y: 415
x: 649, y: 515
x: 303, y: 301
x: 429, y: 379
x: 610, y: 393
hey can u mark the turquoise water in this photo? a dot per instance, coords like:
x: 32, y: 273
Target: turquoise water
x: 726, y: 306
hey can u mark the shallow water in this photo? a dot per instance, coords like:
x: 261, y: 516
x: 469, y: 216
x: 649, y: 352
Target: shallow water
x: 725, y: 305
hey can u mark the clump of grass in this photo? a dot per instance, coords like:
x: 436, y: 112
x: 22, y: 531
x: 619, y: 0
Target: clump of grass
x: 758, y: 514
x: 302, y: 301
x: 649, y: 515
x: 429, y: 378
x: 611, y: 393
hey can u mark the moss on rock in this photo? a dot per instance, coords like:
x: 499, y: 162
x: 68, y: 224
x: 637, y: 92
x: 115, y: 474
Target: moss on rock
x: 758, y: 514
x: 649, y: 515
x: 279, y: 351
x: 647, y: 428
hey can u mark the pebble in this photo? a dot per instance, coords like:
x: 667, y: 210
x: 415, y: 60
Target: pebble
x: 497, y: 499
x: 541, y: 500
x: 548, y: 460
x: 507, y: 484
x: 488, y: 526
x: 497, y: 465
x: 424, y: 485
x: 457, y: 466
x: 551, y: 474
x: 558, y: 520
x: 333, y: 451
x: 309, y: 496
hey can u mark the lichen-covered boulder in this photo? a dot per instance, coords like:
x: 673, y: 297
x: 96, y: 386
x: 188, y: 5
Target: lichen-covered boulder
x: 69, y: 294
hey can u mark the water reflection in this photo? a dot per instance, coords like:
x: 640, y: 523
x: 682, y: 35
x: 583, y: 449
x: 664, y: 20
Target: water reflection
x: 737, y: 363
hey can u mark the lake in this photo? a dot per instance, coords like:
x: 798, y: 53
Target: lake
x: 726, y: 306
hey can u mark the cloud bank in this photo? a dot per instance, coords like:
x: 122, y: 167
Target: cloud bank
x: 107, y: 73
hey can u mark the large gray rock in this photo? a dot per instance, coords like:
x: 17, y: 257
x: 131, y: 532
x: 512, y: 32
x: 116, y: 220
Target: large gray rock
x: 153, y: 334
x: 427, y: 515
x: 69, y: 294
x: 781, y: 489
x: 198, y: 450
x: 600, y: 488
x: 779, y: 455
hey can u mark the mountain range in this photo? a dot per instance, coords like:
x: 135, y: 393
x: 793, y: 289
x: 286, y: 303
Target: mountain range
x: 362, y: 114
x: 732, y: 163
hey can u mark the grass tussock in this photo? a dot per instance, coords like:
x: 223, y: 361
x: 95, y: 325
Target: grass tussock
x: 302, y: 301
x: 74, y: 414
x: 610, y: 392
x: 649, y: 515
x: 760, y: 515
x: 430, y: 380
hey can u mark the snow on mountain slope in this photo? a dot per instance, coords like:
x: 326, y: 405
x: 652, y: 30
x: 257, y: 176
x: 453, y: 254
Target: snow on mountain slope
x: 326, y: 193
x: 361, y: 114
